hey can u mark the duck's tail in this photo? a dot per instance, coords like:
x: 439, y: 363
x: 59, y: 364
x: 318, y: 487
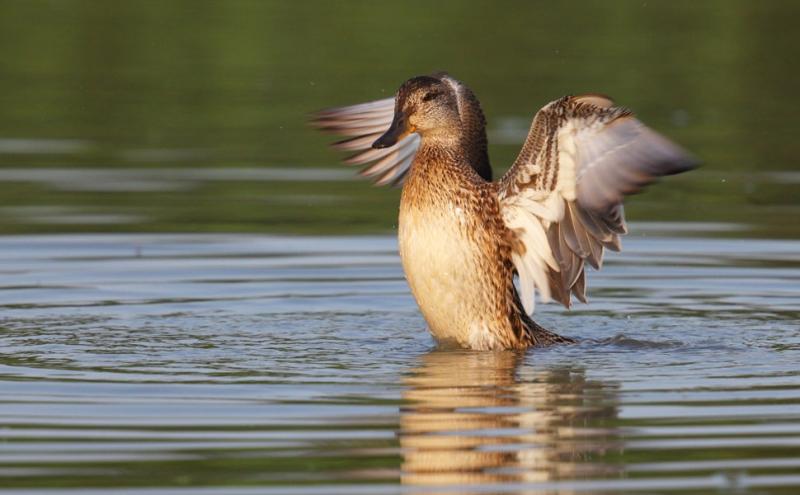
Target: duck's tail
x: 538, y: 336
x: 531, y: 334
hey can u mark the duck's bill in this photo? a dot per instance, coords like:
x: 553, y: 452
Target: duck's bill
x: 397, y: 131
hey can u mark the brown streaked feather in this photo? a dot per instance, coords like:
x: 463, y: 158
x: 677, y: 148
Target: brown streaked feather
x: 581, y: 157
x: 595, y: 99
x: 463, y: 239
x: 579, y: 288
x: 474, y: 128
x: 557, y: 289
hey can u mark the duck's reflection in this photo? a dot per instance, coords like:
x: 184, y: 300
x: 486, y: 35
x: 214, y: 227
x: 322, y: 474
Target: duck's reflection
x: 481, y: 417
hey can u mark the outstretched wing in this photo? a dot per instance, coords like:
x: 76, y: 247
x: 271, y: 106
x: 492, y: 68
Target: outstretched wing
x: 563, y: 195
x: 363, y: 124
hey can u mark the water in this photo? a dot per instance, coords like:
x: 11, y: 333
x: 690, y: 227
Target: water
x: 162, y: 117
x: 248, y: 364
x: 197, y: 298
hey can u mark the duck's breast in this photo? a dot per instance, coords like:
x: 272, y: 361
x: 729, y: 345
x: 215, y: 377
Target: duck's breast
x: 446, y: 252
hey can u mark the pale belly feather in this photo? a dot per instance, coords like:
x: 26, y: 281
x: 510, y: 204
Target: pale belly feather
x: 444, y: 270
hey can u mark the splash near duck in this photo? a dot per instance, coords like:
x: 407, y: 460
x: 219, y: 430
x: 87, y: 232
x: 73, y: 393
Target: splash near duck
x: 465, y: 239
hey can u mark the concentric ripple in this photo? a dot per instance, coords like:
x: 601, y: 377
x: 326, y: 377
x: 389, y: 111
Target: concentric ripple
x: 160, y: 364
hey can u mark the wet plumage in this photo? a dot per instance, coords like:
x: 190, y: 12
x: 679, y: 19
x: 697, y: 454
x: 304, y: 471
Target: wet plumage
x: 464, y: 239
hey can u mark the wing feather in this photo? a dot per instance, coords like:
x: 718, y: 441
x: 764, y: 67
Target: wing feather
x: 357, y: 143
x: 363, y: 124
x: 581, y: 157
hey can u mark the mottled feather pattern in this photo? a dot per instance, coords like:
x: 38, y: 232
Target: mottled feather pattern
x: 440, y: 183
x: 476, y: 253
x: 582, y: 155
x: 473, y: 122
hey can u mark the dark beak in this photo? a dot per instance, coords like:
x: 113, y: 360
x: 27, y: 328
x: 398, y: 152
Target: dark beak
x: 397, y: 131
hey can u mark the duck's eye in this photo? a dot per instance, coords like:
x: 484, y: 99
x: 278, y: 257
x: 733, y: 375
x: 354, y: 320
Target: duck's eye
x: 430, y: 96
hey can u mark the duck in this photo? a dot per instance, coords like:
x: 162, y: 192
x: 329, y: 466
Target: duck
x: 478, y: 254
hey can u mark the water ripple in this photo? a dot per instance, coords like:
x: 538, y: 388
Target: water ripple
x: 189, y: 364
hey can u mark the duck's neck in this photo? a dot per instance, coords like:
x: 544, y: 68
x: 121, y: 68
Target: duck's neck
x: 444, y: 142
x: 462, y: 145
x: 473, y: 125
x: 443, y: 165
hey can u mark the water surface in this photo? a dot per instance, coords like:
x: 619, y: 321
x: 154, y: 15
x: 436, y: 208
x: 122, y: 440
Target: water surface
x: 266, y: 364
x: 161, y: 117
x: 167, y: 331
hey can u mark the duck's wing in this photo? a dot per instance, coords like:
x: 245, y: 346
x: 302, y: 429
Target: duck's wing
x: 563, y: 195
x: 362, y: 124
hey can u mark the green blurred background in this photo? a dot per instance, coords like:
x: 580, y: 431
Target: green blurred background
x: 190, y: 116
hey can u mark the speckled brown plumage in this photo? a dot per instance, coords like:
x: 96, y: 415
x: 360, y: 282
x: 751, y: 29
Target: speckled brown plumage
x: 440, y: 180
x: 464, y: 239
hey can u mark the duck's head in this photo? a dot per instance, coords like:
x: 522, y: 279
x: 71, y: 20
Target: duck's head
x: 426, y: 105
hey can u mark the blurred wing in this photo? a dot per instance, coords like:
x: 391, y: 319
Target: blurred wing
x: 563, y: 195
x: 362, y: 124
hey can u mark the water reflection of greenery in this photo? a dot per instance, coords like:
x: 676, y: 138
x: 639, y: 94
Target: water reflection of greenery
x: 311, y: 207
x: 233, y: 82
